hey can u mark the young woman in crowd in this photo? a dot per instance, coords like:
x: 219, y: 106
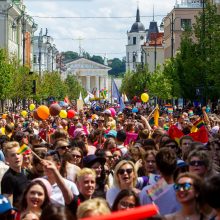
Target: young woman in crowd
x: 188, y: 190
x: 125, y: 177
x: 35, y: 198
x: 126, y: 199
x: 76, y: 156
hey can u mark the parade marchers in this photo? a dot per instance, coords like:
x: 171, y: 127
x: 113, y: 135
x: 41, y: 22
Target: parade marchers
x: 61, y: 163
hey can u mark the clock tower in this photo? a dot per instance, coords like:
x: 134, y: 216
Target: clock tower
x: 136, y: 38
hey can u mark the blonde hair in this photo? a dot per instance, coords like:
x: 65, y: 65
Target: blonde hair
x: 97, y: 206
x: 9, y: 145
x: 85, y: 171
x: 118, y: 166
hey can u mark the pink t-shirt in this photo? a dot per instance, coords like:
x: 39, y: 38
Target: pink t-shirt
x: 130, y: 136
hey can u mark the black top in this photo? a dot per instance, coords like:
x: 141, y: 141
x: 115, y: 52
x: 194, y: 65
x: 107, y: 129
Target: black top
x: 14, y: 183
x: 75, y: 203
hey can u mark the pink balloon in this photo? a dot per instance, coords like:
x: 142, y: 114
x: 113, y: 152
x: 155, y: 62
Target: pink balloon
x: 113, y: 112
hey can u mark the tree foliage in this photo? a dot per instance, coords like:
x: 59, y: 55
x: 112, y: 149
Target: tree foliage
x: 135, y: 83
x: 118, y: 66
x: 74, y: 87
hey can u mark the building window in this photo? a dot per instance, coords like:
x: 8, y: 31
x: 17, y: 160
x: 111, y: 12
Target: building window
x: 186, y: 24
x: 35, y: 59
x: 134, y: 40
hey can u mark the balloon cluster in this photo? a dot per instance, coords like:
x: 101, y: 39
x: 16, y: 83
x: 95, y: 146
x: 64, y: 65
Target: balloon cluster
x: 43, y: 112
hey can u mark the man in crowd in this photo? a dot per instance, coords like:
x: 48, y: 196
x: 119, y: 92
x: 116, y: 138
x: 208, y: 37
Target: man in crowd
x: 14, y: 181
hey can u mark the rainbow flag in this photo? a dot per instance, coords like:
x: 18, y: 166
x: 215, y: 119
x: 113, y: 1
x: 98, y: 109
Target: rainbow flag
x: 170, y: 110
x: 156, y: 115
x: 22, y: 149
x: 157, y: 189
x: 199, y: 123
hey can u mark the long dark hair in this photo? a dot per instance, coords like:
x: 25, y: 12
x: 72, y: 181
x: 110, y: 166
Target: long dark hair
x: 124, y: 193
x: 23, y: 204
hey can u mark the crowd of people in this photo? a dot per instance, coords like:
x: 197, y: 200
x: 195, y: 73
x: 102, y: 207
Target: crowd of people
x: 99, y: 162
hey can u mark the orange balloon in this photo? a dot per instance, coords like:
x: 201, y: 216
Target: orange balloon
x: 43, y: 112
x: 4, y: 116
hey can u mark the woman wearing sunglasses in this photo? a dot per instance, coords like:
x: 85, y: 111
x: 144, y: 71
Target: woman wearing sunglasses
x: 188, y: 190
x: 126, y: 199
x: 76, y: 156
x: 125, y: 177
x: 200, y: 163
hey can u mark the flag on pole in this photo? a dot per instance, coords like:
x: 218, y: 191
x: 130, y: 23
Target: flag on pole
x: 80, y: 96
x: 22, y: 149
x: 116, y: 94
x: 156, y: 116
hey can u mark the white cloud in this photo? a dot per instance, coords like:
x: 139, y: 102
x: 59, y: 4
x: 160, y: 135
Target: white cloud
x: 95, y: 32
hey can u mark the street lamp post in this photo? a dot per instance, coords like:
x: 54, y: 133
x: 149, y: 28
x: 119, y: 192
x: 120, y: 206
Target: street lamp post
x: 172, y: 22
x: 22, y: 20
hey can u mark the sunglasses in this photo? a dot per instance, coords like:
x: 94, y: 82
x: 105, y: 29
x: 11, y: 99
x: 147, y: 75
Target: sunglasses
x: 76, y: 156
x: 122, y: 171
x: 184, y: 186
x: 196, y: 163
x: 125, y: 205
x: 109, y: 157
x: 62, y: 147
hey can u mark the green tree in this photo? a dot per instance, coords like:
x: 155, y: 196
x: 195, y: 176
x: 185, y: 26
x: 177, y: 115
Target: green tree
x: 70, y: 55
x: 118, y: 66
x: 135, y: 83
x: 160, y: 85
x: 97, y: 59
x: 51, y: 85
x: 196, y: 66
x: 74, y: 87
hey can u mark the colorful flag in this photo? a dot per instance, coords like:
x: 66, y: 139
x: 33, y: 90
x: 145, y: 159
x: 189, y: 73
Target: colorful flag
x: 175, y: 133
x: 156, y: 115
x: 158, y: 189
x: 116, y: 94
x: 22, y: 149
x: 66, y: 99
x: 201, y: 135
x: 170, y: 110
x: 199, y: 123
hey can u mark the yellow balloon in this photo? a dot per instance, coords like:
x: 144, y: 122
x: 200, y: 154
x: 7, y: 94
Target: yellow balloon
x: 32, y: 107
x: 24, y: 113
x: 63, y: 114
x: 144, y: 97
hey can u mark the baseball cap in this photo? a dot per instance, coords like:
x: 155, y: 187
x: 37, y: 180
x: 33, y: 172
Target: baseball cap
x: 5, y: 205
x: 89, y: 160
x: 78, y: 132
x: 111, y: 133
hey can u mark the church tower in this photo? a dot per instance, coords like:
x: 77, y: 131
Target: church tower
x: 136, y: 38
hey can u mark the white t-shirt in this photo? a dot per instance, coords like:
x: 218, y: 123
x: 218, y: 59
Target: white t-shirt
x: 57, y: 195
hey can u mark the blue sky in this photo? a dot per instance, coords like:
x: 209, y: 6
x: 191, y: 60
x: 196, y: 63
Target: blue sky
x: 107, y: 33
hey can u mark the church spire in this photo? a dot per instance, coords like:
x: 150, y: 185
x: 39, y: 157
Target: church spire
x: 138, y: 15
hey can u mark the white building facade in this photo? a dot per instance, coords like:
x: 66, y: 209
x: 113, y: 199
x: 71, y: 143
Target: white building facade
x: 44, y: 53
x: 17, y: 29
x: 92, y: 75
